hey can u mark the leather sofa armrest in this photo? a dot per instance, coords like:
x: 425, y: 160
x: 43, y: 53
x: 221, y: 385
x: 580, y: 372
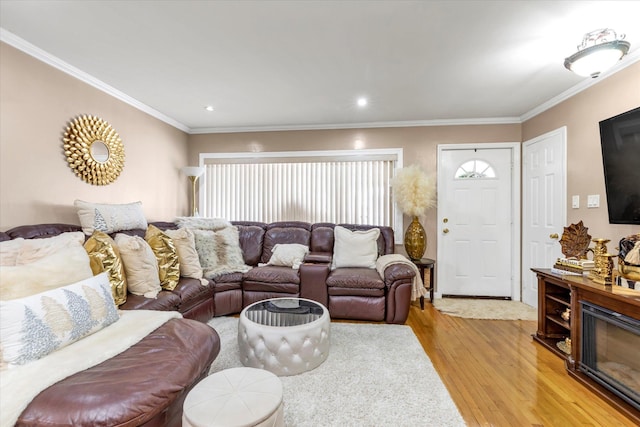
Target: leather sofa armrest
x: 318, y: 257
x: 398, y: 272
x: 313, y: 282
x: 398, y: 279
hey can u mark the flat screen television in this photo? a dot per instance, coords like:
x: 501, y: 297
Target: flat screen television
x: 620, y: 140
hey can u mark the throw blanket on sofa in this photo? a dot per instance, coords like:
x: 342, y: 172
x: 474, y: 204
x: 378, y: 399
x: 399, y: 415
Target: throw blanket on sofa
x: 417, y: 290
x: 19, y: 385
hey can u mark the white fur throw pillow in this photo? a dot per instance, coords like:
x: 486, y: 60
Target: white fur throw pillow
x: 192, y: 222
x: 35, y: 249
x: 140, y: 265
x: 185, y: 244
x: 37, y: 325
x: 355, y: 248
x: 288, y: 255
x: 9, y: 251
x: 219, y: 252
x: 65, y: 266
x: 110, y: 218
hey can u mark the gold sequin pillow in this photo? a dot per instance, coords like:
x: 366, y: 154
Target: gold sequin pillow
x: 167, y: 256
x: 104, y: 256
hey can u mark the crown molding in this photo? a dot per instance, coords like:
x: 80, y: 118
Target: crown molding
x: 366, y: 125
x: 36, y: 52
x: 629, y: 60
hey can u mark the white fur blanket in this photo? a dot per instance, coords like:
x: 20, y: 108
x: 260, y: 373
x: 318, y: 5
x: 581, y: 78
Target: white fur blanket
x: 214, y: 224
x: 417, y: 290
x: 20, y: 384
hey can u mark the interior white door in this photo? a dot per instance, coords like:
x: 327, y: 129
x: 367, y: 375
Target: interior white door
x: 544, y: 207
x: 476, y: 222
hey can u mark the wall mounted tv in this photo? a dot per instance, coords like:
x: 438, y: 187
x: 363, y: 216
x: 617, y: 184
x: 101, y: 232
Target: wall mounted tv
x: 620, y: 140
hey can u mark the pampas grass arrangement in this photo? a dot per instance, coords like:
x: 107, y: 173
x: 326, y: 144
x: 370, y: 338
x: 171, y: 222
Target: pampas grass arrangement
x: 414, y: 190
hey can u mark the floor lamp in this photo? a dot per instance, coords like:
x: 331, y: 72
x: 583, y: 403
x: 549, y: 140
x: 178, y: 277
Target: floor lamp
x: 193, y: 172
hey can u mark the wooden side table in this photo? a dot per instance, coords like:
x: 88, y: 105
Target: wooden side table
x: 422, y: 265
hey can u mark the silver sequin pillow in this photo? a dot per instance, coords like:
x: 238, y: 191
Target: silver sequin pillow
x: 34, y: 326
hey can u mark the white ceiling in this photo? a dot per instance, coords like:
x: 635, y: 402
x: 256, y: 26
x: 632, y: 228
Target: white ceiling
x: 303, y: 64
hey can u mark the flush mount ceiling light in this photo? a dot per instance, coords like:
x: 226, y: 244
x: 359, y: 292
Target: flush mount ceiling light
x: 209, y: 108
x: 599, y: 51
x: 362, y: 102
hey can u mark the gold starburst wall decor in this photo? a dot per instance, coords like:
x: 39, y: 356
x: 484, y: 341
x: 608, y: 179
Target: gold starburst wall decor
x: 94, y: 150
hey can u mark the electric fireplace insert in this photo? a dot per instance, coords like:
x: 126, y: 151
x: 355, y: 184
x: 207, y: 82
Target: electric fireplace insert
x: 611, y: 351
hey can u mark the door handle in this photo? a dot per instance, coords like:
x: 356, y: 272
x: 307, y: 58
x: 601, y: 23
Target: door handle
x: 553, y: 236
x: 445, y: 231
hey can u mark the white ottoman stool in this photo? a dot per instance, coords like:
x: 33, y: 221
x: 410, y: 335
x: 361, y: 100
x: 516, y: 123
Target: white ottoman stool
x: 236, y: 397
x: 286, y: 336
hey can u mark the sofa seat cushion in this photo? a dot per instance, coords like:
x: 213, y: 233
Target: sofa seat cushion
x: 272, y: 274
x: 133, y: 387
x: 355, y: 278
x: 192, y: 292
x: 165, y: 301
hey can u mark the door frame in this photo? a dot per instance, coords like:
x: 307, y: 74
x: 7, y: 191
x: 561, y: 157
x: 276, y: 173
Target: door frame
x: 516, y: 172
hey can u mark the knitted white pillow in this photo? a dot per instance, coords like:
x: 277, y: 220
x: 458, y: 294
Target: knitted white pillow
x: 355, y: 248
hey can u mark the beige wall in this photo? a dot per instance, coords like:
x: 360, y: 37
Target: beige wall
x: 37, y: 186
x: 581, y: 115
x: 419, y: 144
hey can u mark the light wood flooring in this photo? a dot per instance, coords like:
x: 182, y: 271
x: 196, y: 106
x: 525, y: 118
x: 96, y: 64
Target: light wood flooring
x: 498, y: 376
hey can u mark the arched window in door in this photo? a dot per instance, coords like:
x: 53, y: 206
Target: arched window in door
x: 475, y: 169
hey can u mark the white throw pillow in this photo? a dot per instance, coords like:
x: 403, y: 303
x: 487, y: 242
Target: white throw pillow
x: 288, y: 255
x: 110, y: 218
x: 355, y: 248
x: 185, y: 244
x: 140, y: 265
x: 37, y: 325
x: 67, y: 265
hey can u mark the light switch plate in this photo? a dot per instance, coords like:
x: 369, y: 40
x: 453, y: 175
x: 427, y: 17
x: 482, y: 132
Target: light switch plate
x: 593, y: 201
x: 575, y: 202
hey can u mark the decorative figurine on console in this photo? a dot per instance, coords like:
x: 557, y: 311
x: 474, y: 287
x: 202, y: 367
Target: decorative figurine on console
x: 603, y: 271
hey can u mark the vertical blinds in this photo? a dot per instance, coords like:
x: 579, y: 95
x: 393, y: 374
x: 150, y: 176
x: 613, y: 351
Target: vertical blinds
x: 356, y: 192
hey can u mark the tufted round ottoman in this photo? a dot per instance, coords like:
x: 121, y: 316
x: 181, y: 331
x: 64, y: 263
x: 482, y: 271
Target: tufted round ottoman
x: 286, y: 336
x: 237, y: 397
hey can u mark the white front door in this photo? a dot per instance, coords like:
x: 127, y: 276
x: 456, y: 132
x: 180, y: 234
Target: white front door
x: 544, y: 211
x: 477, y: 244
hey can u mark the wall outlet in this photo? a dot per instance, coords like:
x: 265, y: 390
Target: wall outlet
x: 575, y: 202
x: 593, y: 201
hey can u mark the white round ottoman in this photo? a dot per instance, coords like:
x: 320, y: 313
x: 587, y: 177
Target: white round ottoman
x: 236, y: 397
x: 286, y: 336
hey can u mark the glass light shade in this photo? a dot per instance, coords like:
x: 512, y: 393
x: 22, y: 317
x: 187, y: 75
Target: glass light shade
x: 596, y: 59
x: 193, y: 170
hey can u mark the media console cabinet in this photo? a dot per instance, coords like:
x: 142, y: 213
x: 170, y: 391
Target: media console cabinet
x: 593, y: 338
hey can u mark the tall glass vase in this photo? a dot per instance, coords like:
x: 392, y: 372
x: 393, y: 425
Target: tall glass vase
x: 415, y: 239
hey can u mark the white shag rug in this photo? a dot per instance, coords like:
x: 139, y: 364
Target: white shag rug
x: 481, y: 308
x: 375, y: 375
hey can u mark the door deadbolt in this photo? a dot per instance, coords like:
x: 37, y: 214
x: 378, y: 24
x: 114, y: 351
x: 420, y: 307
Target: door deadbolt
x: 445, y: 220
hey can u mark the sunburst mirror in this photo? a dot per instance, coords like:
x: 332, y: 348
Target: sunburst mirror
x: 94, y: 150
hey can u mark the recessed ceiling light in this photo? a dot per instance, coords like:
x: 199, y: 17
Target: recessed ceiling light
x: 362, y: 102
x: 209, y: 108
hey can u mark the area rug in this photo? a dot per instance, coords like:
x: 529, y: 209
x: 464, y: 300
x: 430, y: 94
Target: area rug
x: 375, y: 375
x: 486, y: 309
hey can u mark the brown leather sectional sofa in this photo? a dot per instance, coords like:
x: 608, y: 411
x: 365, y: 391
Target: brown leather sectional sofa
x: 139, y: 386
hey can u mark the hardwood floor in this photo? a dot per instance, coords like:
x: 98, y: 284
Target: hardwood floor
x: 498, y: 376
